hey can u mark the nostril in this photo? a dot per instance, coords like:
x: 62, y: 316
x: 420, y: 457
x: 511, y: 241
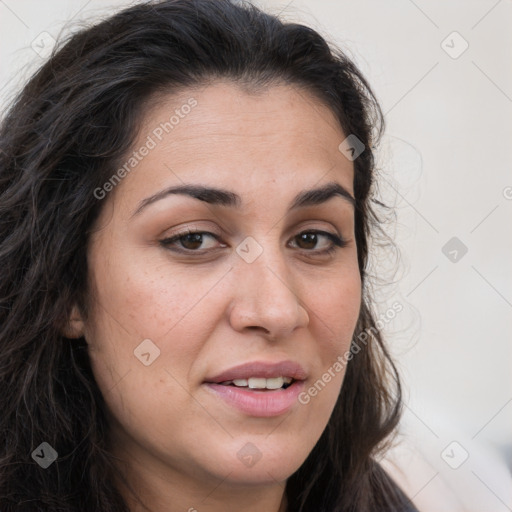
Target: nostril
x: 257, y: 328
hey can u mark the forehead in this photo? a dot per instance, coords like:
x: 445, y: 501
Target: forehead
x: 280, y: 137
x: 281, y: 114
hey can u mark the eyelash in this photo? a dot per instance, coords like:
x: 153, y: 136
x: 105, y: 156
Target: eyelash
x: 338, y: 243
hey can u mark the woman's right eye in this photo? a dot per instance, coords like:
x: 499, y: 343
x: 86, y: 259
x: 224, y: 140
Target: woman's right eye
x: 190, y: 241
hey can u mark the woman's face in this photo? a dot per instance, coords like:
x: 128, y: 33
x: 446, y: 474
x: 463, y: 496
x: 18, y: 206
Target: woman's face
x: 248, y: 298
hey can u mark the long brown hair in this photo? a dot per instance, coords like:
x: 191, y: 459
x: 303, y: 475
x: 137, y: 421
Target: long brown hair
x: 68, y: 129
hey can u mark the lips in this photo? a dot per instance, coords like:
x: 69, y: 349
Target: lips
x: 259, y: 402
x: 256, y: 369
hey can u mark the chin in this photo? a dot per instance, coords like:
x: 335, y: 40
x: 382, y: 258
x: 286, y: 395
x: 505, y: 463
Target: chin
x: 256, y: 460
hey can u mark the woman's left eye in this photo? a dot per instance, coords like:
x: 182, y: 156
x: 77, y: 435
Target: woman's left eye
x: 192, y: 240
x: 309, y: 237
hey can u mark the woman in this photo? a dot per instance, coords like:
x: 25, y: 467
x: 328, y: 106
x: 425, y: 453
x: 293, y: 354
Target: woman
x: 185, y: 317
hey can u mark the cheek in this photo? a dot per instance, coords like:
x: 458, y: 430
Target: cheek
x: 138, y: 299
x: 134, y: 304
x: 144, y: 299
x: 336, y: 309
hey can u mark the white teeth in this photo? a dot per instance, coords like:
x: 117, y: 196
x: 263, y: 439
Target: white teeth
x: 261, y: 382
x: 257, y: 383
x: 275, y: 383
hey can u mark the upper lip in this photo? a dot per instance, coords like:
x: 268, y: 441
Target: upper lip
x: 261, y: 369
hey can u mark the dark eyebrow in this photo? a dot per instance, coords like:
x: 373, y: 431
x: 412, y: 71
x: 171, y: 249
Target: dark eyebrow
x: 217, y: 196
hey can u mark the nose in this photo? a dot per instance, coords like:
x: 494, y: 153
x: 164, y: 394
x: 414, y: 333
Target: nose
x: 266, y: 299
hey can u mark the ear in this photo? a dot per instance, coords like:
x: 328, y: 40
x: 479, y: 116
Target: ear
x: 74, y: 327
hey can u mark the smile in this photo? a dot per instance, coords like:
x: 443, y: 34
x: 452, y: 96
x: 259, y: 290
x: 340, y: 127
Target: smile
x: 260, y: 383
x: 259, y: 388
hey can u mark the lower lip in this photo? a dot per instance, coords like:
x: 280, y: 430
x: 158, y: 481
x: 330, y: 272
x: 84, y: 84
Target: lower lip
x: 259, y: 403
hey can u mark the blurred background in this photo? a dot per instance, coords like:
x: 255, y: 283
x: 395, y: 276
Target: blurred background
x: 441, y: 72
